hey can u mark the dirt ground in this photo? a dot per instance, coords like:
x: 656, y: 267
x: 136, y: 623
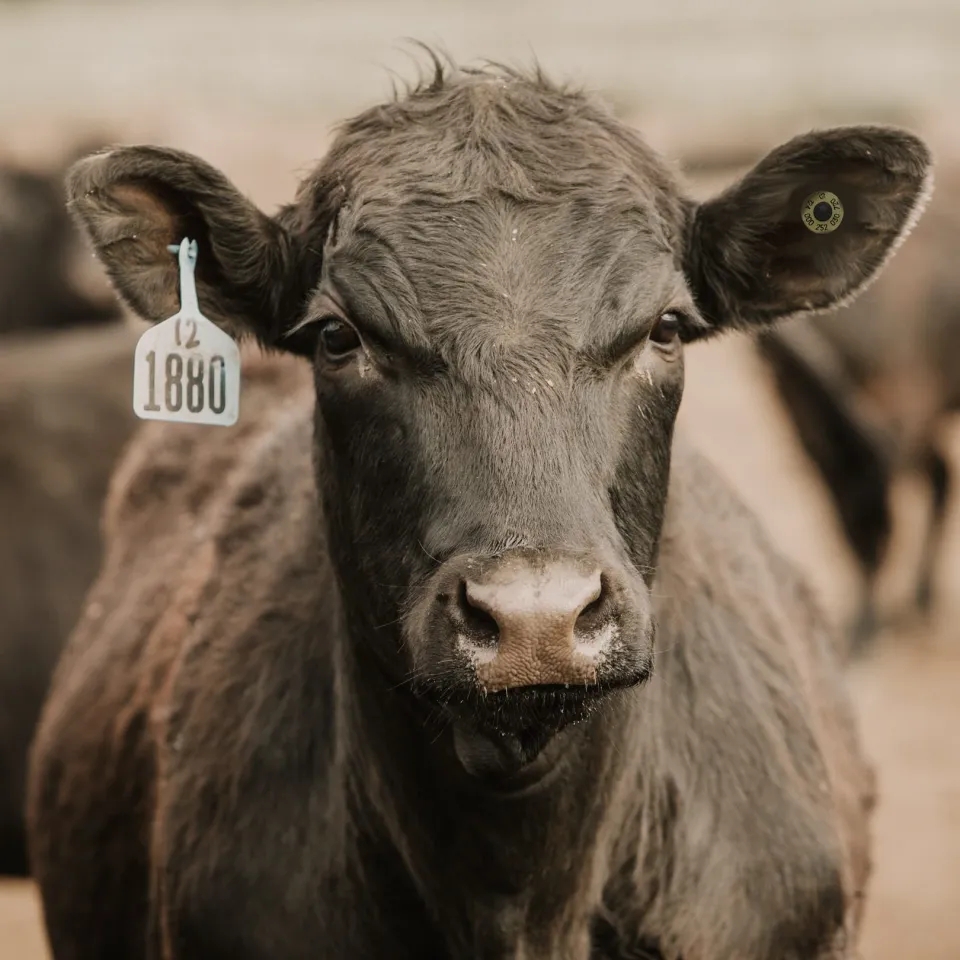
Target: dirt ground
x: 257, y: 92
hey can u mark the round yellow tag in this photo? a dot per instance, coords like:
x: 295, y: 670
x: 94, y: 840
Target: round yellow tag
x: 822, y: 212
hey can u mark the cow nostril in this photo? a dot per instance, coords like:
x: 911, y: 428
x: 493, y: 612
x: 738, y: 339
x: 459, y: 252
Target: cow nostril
x: 592, y: 616
x: 528, y: 622
x: 477, y: 622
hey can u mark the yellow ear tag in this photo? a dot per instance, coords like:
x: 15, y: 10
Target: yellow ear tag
x: 822, y: 212
x: 187, y: 369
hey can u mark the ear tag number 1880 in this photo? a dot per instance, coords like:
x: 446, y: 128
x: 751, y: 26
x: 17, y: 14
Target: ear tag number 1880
x: 187, y: 369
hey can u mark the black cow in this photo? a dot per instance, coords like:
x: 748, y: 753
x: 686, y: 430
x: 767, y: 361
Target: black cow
x: 449, y: 649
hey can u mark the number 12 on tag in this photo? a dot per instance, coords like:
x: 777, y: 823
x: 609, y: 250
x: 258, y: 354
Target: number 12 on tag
x: 195, y: 384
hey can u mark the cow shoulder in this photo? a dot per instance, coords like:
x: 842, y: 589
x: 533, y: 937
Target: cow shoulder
x: 176, y: 472
x: 751, y: 736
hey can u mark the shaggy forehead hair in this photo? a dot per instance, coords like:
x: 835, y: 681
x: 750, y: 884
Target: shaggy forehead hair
x: 441, y: 181
x: 463, y: 129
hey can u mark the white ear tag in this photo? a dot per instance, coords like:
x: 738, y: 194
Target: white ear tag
x: 187, y: 369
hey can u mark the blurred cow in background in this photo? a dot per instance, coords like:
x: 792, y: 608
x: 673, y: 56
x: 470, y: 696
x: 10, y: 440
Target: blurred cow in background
x: 867, y: 388
x: 48, y: 280
x: 65, y: 412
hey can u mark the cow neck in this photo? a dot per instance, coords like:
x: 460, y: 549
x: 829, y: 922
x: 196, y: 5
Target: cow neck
x: 476, y: 853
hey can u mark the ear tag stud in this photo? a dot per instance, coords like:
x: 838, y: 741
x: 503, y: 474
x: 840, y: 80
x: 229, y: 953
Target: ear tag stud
x: 187, y: 370
x: 822, y: 212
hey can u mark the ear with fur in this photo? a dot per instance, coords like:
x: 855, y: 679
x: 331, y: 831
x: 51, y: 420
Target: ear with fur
x: 133, y: 202
x: 752, y: 257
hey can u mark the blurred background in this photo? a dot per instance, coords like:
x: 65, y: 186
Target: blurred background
x: 840, y: 433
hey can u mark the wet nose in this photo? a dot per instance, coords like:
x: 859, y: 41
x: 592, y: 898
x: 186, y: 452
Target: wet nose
x: 530, y: 623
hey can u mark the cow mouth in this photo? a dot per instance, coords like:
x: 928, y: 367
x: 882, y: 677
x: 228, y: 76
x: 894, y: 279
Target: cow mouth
x: 499, y: 734
x: 511, y: 711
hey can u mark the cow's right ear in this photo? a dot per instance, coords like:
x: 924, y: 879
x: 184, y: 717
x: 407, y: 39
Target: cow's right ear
x: 134, y: 202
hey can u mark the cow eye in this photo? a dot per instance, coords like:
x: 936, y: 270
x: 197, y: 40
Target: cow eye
x: 338, y: 339
x: 666, y: 329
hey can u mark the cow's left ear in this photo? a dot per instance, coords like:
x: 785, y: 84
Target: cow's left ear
x: 808, y: 228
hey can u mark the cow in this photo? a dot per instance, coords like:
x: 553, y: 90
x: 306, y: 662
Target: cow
x: 65, y: 415
x: 870, y: 393
x: 869, y: 390
x: 450, y: 648
x: 65, y: 412
x: 44, y: 281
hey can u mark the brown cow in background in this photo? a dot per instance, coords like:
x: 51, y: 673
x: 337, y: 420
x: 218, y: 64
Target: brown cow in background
x: 45, y: 277
x: 65, y: 413
x: 870, y: 387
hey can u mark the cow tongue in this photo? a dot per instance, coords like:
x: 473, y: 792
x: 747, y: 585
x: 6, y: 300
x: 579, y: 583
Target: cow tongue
x: 488, y: 754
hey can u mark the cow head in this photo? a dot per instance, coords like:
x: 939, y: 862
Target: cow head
x: 495, y: 281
